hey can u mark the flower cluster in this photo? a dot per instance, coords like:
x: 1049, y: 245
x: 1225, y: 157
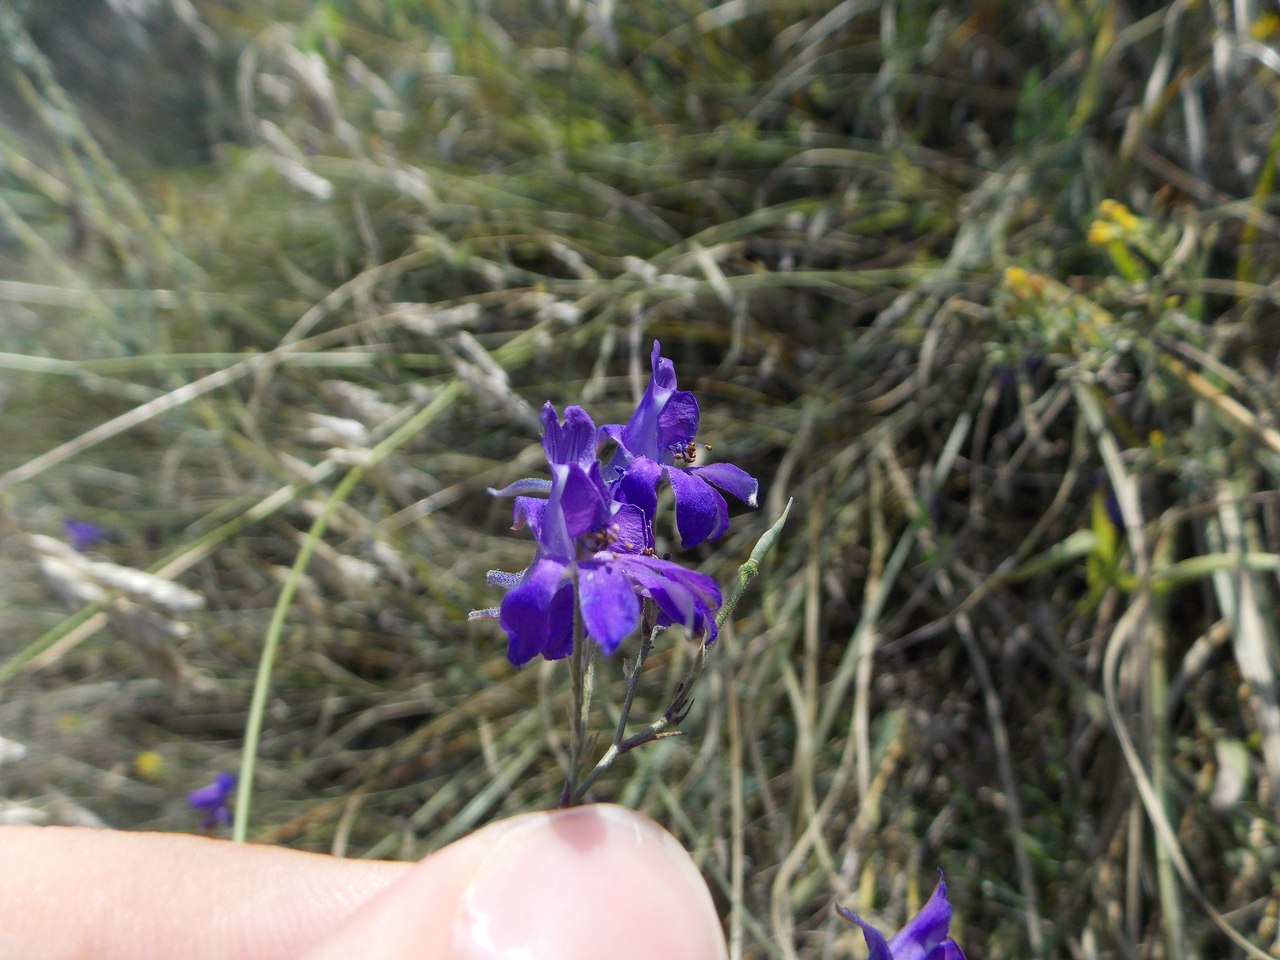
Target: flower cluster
x: 215, y: 800
x: 593, y: 526
x: 925, y: 937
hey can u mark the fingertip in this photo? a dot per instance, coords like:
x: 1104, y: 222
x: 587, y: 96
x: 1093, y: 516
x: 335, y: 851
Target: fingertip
x: 579, y: 883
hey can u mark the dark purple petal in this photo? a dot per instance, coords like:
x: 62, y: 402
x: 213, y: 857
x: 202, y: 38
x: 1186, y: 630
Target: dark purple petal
x: 947, y: 950
x: 560, y: 624
x: 662, y: 370
x: 701, y: 513
x: 526, y: 612
x: 215, y: 793
x: 1112, y: 504
x: 678, y: 421
x: 639, y: 485
x: 877, y: 948
x: 570, y: 441
x: 82, y: 533
x: 704, y: 626
x: 583, y: 501
x: 640, y: 435
x: 683, y: 596
x: 527, y: 511
x: 674, y: 600
x: 923, y: 938
x: 927, y: 929
x: 632, y: 532
x: 703, y: 587
x: 730, y: 479
x: 610, y: 607
x: 215, y: 800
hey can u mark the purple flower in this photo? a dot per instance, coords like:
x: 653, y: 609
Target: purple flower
x: 924, y: 938
x: 215, y: 800
x: 1111, y: 503
x: 661, y: 434
x: 82, y: 533
x: 594, y: 556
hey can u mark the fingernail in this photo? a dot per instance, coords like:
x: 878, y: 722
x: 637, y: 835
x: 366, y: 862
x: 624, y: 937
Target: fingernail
x: 584, y: 883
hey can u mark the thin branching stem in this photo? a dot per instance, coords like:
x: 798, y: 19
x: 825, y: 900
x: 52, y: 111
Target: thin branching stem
x: 675, y: 714
x: 581, y: 706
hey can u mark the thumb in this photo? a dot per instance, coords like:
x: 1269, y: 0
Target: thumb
x: 570, y: 884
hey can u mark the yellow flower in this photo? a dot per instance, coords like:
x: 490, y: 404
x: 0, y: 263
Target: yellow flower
x: 148, y: 765
x: 1021, y: 283
x: 1265, y: 28
x: 1102, y: 233
x: 1118, y: 214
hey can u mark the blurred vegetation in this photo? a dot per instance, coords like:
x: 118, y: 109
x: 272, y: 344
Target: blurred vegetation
x: 989, y: 289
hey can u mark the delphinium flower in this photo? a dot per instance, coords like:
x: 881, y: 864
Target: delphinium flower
x: 82, y: 533
x: 925, y: 937
x: 215, y: 800
x: 658, y: 441
x: 594, y: 559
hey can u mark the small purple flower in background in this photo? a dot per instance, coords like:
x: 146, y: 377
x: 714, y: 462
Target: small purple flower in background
x: 594, y: 555
x: 215, y: 800
x: 1105, y: 498
x: 1111, y: 503
x: 659, y: 435
x: 924, y: 938
x: 82, y: 533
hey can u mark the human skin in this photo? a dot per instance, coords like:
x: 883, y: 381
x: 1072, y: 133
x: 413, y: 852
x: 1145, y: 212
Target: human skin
x: 585, y: 882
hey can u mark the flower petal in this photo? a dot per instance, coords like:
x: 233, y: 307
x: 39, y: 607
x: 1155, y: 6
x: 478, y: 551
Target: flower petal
x: 947, y: 950
x: 527, y: 511
x: 570, y: 441
x: 525, y: 613
x: 639, y: 485
x: 683, y: 596
x: 610, y: 607
x: 632, y: 532
x: 927, y: 929
x: 560, y: 624
x: 663, y: 370
x: 731, y: 479
x: 701, y: 513
x: 584, y: 500
x: 877, y: 948
x: 678, y: 420
x: 640, y: 435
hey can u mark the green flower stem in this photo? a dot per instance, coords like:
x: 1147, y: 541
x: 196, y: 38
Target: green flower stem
x: 581, y: 690
x: 616, y: 748
x: 747, y: 572
x: 266, y: 663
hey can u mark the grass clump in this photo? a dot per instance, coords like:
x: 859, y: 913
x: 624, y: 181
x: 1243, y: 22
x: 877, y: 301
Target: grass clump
x: 988, y: 291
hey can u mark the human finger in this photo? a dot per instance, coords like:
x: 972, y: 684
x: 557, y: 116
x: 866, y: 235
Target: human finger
x: 574, y: 884
x: 78, y: 892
